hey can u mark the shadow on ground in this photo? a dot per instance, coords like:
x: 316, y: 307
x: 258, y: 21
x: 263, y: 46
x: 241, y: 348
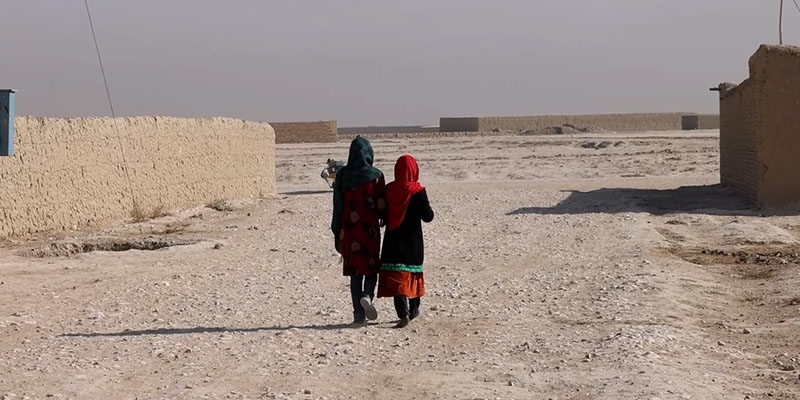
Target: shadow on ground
x: 708, y: 199
x: 306, y: 192
x: 201, y: 329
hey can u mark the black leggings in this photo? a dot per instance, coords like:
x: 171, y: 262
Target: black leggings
x: 362, y: 286
x: 405, y: 307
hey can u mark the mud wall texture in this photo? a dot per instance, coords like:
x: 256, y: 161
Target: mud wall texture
x: 609, y: 122
x: 422, y: 135
x: 760, y: 129
x: 305, y: 132
x: 459, y: 124
x: 76, y: 172
x: 371, y: 130
x: 700, y: 121
x: 738, y: 157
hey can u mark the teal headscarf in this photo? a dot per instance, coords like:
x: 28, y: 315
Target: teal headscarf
x: 358, y: 171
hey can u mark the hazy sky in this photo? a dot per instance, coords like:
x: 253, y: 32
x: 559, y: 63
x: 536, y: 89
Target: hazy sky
x: 380, y: 61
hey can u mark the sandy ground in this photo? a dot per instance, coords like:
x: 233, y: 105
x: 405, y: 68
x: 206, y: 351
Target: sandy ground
x: 555, y: 270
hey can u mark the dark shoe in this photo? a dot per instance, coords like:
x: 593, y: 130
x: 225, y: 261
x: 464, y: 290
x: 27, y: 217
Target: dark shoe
x: 359, y: 322
x: 414, y: 314
x: 402, y: 323
x: 369, y: 309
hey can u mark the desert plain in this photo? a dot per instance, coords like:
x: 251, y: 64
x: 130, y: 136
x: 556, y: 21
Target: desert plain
x: 587, y: 266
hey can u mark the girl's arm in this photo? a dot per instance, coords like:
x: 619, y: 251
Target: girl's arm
x: 338, y: 206
x: 381, y: 202
x: 426, y: 212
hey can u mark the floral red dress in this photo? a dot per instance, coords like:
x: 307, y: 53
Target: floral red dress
x: 360, y: 235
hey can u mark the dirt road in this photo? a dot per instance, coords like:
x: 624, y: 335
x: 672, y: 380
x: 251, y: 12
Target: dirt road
x: 558, y: 267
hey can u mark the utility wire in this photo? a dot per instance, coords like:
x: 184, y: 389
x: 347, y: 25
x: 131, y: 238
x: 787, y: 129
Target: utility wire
x: 111, y: 105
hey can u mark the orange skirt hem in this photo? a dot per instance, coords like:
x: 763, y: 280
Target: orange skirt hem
x: 401, y: 283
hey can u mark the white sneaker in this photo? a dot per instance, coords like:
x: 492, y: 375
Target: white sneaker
x: 369, y: 309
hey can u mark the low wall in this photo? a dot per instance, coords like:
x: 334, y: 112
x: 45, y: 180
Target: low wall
x: 759, y: 134
x: 459, y: 124
x: 738, y: 150
x: 69, y: 173
x: 421, y: 135
x: 700, y: 121
x: 777, y: 72
x: 609, y: 122
x: 305, y: 132
x: 371, y: 130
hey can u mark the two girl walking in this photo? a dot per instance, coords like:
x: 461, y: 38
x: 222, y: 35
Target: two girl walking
x: 362, y: 203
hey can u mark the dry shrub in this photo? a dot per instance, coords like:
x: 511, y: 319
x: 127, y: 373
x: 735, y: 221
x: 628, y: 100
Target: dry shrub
x: 175, y: 228
x: 159, y: 211
x: 138, y: 214
x: 220, y: 205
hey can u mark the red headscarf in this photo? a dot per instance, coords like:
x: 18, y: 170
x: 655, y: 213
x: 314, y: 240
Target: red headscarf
x: 399, y: 192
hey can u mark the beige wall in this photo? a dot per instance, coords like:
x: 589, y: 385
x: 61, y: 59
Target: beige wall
x: 708, y: 121
x: 459, y: 124
x: 69, y: 173
x: 700, y: 121
x: 610, y: 122
x: 737, y: 141
x: 375, y: 136
x: 760, y: 129
x: 778, y: 72
x: 371, y: 130
x: 305, y: 132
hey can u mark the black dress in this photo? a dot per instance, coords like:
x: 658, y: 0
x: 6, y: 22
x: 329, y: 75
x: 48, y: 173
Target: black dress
x: 402, y: 259
x: 403, y: 248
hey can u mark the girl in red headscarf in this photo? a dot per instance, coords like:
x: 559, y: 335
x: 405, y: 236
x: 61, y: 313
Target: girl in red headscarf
x: 403, y: 255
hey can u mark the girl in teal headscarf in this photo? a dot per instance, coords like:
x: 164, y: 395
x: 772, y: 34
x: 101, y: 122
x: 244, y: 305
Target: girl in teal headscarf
x: 358, y: 206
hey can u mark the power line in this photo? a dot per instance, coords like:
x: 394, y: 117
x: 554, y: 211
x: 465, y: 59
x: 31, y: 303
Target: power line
x: 796, y: 5
x: 111, y: 105
x: 99, y: 59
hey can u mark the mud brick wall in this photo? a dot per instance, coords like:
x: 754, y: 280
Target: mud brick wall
x: 377, y: 136
x: 610, y: 122
x: 69, y: 172
x: 305, y: 132
x: 389, y: 130
x: 700, y: 121
x: 738, y: 156
x: 760, y: 129
x: 459, y: 124
x: 777, y: 73
x: 708, y: 122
